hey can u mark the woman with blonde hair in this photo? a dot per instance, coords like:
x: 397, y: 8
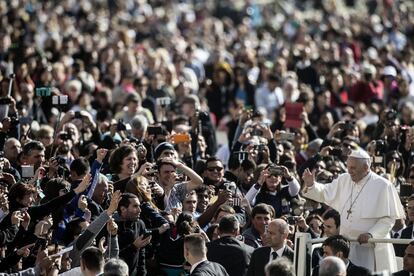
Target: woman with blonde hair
x: 140, y: 186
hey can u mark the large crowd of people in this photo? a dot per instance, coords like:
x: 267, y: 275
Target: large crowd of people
x: 114, y: 162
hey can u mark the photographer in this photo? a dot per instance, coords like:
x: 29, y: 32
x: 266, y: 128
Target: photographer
x: 201, y: 124
x: 240, y: 173
x: 269, y: 189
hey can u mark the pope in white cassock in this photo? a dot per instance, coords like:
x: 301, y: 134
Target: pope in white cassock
x: 369, y: 206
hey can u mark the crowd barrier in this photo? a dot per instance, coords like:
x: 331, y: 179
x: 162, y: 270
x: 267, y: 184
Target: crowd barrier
x: 304, y: 245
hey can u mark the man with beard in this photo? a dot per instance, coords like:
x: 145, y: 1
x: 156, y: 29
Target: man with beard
x: 65, y: 144
x: 131, y: 230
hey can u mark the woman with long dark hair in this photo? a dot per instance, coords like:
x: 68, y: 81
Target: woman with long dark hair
x: 171, y: 251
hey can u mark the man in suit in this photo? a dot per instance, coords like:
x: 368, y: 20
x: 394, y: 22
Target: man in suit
x: 408, y: 262
x: 338, y: 246
x: 277, y: 234
x: 407, y: 233
x: 231, y: 253
x: 195, y: 252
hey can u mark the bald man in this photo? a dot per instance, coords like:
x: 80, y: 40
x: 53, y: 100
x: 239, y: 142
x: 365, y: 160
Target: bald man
x: 277, y: 235
x: 332, y: 266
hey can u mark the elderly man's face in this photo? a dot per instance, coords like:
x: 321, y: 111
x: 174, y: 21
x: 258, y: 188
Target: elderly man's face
x: 356, y: 169
x: 12, y: 148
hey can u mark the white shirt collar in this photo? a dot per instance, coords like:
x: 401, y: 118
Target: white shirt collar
x: 196, y: 264
x: 347, y: 263
x: 279, y: 252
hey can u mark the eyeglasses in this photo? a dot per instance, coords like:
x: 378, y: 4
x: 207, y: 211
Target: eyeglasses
x: 212, y: 169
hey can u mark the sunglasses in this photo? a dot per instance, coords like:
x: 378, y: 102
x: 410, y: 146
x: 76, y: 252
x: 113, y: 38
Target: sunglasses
x: 212, y: 169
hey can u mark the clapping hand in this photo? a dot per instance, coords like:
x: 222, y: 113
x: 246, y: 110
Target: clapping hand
x: 141, y: 242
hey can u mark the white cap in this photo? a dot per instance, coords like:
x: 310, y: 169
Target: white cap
x: 359, y: 153
x: 389, y: 71
x: 368, y: 68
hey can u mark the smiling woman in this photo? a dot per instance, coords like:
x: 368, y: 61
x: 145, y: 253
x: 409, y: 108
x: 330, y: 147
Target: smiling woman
x: 123, y: 162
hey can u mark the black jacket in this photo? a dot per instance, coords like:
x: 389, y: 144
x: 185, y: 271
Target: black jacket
x: 401, y: 273
x: 231, y: 253
x: 352, y: 270
x: 261, y: 257
x: 207, y: 268
x: 128, y: 231
x: 405, y: 234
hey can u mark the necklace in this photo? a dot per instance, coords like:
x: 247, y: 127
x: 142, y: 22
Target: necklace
x: 349, y: 211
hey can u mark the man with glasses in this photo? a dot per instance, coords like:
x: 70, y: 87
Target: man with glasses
x: 214, y: 172
x: 225, y: 190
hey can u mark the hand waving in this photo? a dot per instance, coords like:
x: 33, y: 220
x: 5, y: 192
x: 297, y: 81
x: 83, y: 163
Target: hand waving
x: 86, y: 181
x: 308, y: 178
x: 116, y: 197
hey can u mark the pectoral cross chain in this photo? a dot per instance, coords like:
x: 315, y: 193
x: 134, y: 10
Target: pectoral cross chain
x: 349, y: 212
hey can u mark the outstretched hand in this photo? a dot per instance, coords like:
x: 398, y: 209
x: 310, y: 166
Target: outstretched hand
x: 308, y: 178
x: 116, y: 197
x: 86, y: 181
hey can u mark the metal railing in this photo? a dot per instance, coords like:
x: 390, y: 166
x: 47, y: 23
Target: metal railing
x: 303, y: 250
